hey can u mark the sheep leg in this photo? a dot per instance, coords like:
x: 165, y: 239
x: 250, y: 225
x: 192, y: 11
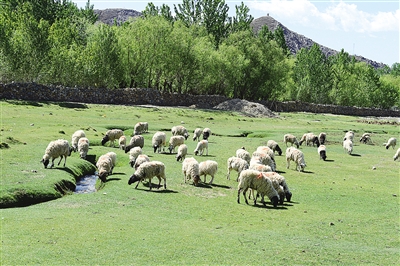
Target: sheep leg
x: 244, y: 195
x: 212, y: 179
x: 228, y: 175
x: 207, y: 151
x: 61, y: 157
x: 238, y: 196
x: 205, y: 178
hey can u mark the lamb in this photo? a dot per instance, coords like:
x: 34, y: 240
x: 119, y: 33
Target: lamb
x: 274, y: 146
x: 148, y: 170
x: 365, y: 138
x: 206, y: 133
x: 293, y: 154
x: 322, y: 152
x: 196, y: 134
x: 182, y: 152
x: 208, y: 167
x: 104, y: 167
x: 175, y: 141
x: 159, y: 141
x: 279, y: 183
x: 112, y: 135
x: 142, y: 158
x: 55, y: 149
x: 397, y: 154
x: 257, y: 181
x: 122, y: 142
x: 263, y: 158
x: 391, y: 142
x: 291, y: 139
x: 242, y: 153
x: 191, y: 170
x: 83, y: 147
x: 322, y: 138
x: 136, y: 141
x: 309, y: 138
x: 237, y: 164
x: 201, y: 145
x: 75, y: 139
x: 140, y: 128
x: 133, y: 154
x: 180, y: 131
x: 349, y: 135
x: 348, y: 145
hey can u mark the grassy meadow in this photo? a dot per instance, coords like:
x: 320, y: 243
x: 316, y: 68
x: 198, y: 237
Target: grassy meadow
x: 342, y: 211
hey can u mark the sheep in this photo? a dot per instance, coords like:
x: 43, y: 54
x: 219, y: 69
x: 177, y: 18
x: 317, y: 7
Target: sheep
x: 122, y: 142
x: 396, y: 155
x: 112, y: 135
x: 262, y: 157
x: 279, y: 182
x: 349, y: 135
x: 140, y: 128
x: 291, y: 139
x: 191, y: 170
x: 182, y: 152
x: 257, y: 181
x: 322, y: 138
x: 348, y: 145
x: 83, y: 147
x: 180, y: 131
x: 242, y: 153
x: 237, y: 164
x: 104, y: 167
x: 55, y: 149
x: 293, y: 154
x: 142, y: 158
x: 113, y: 157
x: 148, y: 170
x: 208, y: 167
x: 136, y: 141
x: 75, y: 139
x: 322, y: 152
x: 175, y: 141
x: 309, y: 138
x: 206, y: 133
x: 201, y: 145
x: 133, y: 154
x: 260, y: 167
x: 159, y: 141
x: 365, y: 138
x: 274, y: 146
x: 391, y: 142
x: 196, y: 134
x: 266, y: 150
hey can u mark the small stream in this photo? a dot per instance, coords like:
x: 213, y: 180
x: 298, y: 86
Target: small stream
x: 86, y: 184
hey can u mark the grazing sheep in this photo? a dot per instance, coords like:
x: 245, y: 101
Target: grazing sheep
x: 140, y: 128
x: 55, y: 149
x: 309, y: 138
x: 175, y: 141
x: 260, y: 167
x: 208, y: 167
x: 142, y: 158
x: 182, y: 152
x: 274, y: 146
x: 291, y: 139
x: 279, y: 183
x: 180, y: 131
x: 196, y: 134
x: 391, y: 142
x: 262, y: 157
x: 348, y: 145
x: 397, y: 154
x: 365, y: 138
x: 113, y: 157
x: 136, y: 141
x: 122, y: 142
x: 201, y: 145
x: 322, y: 152
x: 242, y: 153
x: 104, y: 167
x: 206, y: 133
x: 293, y: 154
x: 112, y: 135
x: 257, y: 181
x: 237, y: 164
x: 267, y: 150
x: 349, y: 135
x: 75, y: 139
x: 148, y: 170
x: 159, y: 141
x: 133, y: 154
x: 83, y: 147
x: 191, y: 170
x: 322, y: 138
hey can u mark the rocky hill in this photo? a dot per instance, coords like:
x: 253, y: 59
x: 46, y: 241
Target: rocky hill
x: 294, y: 40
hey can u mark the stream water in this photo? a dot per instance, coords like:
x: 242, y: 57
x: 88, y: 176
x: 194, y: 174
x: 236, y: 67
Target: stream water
x: 86, y: 184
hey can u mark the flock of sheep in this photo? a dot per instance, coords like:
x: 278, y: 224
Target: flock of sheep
x: 255, y: 171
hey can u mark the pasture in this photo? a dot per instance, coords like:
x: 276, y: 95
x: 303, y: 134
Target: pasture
x: 342, y: 211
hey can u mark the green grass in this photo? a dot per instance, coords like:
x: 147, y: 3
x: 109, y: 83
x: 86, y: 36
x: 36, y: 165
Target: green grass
x: 342, y: 212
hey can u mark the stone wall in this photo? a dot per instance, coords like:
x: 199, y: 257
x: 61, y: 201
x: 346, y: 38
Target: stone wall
x: 132, y: 96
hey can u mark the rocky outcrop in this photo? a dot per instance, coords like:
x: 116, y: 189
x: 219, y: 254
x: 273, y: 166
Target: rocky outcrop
x: 116, y: 15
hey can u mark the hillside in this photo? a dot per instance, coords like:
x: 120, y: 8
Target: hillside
x: 294, y: 40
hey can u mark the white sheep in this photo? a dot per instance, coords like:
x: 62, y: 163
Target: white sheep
x: 55, y: 149
x: 348, y: 145
x: 365, y: 138
x: 142, y: 158
x: 191, y: 170
x: 208, y: 167
x: 148, y: 170
x: 391, y: 143
x: 180, y: 131
x: 396, y: 155
x: 293, y: 154
x: 242, y: 153
x: 280, y: 184
x: 322, y: 152
x: 140, y: 128
x: 83, y: 147
x: 196, y: 134
x: 237, y: 164
x: 322, y: 138
x: 260, y: 167
x: 349, y: 135
x: 175, y: 141
x: 206, y: 133
x: 133, y: 154
x: 309, y: 138
x: 291, y: 139
x: 182, y: 152
x: 75, y: 139
x: 267, y: 150
x: 112, y: 135
x: 274, y: 146
x: 201, y: 146
x: 113, y: 157
x: 122, y: 142
x: 257, y: 181
x: 159, y: 141
x: 104, y: 167
x: 261, y: 157
x: 136, y: 141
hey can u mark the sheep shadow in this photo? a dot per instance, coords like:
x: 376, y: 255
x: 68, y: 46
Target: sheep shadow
x: 154, y: 188
x: 329, y: 161
x: 72, y: 105
x: 269, y: 206
x: 113, y: 179
x: 204, y: 185
x: 221, y: 186
x: 355, y: 155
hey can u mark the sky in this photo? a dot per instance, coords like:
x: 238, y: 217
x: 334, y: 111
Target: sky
x: 360, y: 27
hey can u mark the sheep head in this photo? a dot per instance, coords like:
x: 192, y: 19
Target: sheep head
x: 134, y: 178
x: 45, y: 162
x: 274, y: 201
x: 105, y: 139
x: 206, y: 135
x: 103, y: 176
x: 196, y: 180
x: 288, y: 196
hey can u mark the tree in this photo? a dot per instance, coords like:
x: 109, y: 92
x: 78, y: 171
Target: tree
x: 279, y: 37
x: 215, y: 18
x: 189, y: 12
x: 242, y: 20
